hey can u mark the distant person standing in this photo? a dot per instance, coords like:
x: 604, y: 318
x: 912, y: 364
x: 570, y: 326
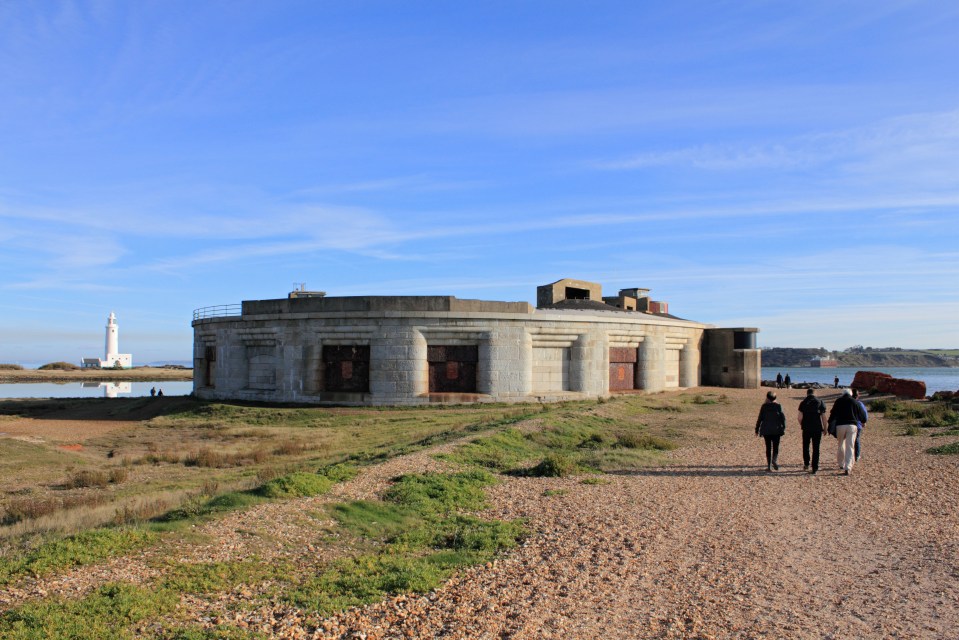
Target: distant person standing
x: 835, y: 383
x: 779, y: 380
x: 847, y: 415
x: 787, y: 381
x: 812, y: 418
x: 862, y: 405
x: 771, y: 425
x: 153, y: 391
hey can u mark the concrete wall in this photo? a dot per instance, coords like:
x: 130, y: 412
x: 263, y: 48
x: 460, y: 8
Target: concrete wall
x: 273, y: 352
x: 725, y: 365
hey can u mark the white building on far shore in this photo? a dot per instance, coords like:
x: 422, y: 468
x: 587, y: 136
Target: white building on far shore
x: 112, y: 359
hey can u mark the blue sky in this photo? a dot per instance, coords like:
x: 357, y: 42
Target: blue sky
x: 790, y: 166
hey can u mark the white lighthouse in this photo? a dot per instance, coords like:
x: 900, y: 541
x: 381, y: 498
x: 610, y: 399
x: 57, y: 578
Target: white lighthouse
x: 112, y: 358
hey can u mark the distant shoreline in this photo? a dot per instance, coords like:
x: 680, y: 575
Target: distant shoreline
x: 137, y: 374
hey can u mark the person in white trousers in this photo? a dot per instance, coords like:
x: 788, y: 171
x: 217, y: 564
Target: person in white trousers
x: 847, y: 415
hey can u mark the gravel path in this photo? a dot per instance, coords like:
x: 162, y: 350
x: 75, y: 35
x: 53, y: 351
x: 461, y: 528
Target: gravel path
x: 714, y: 547
x: 710, y: 546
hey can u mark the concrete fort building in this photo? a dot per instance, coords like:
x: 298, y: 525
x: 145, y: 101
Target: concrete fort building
x: 112, y: 358
x: 409, y: 350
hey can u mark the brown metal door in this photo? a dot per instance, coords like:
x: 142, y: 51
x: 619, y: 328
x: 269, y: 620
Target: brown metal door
x: 622, y: 368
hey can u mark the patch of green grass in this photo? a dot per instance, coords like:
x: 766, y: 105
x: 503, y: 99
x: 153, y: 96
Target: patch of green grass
x: 501, y: 451
x: 424, y: 537
x: 554, y: 465
x: 899, y: 409
x: 582, y: 438
x: 296, y: 485
x: 668, y: 407
x: 594, y: 480
x: 633, y: 440
x: 940, y: 416
x: 77, y: 550
x: 590, y: 432
x: 365, y: 579
x: 214, y: 577
x: 221, y: 632
x: 622, y: 460
x: 441, y: 492
x: 912, y: 430
x: 340, y: 472
x: 550, y: 493
x: 375, y: 519
x: 471, y: 534
x: 110, y: 612
x: 950, y: 449
x: 201, y: 507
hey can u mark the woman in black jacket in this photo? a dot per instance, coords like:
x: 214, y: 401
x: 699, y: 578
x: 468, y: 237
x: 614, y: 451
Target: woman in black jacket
x: 771, y: 425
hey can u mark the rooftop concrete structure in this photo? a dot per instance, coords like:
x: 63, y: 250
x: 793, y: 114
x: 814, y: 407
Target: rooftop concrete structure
x: 403, y: 350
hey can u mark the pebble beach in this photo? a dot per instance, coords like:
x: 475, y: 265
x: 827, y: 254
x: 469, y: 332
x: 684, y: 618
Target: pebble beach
x: 707, y: 545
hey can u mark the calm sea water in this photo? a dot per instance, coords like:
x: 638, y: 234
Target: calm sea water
x: 936, y: 378
x: 94, y: 389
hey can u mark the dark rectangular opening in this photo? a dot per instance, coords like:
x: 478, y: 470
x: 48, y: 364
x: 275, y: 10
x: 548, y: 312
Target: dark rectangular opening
x: 346, y: 369
x: 744, y: 340
x: 209, y: 366
x: 452, y: 368
x: 573, y: 293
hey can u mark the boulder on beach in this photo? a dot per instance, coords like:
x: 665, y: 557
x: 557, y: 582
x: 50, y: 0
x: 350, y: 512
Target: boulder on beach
x: 885, y: 383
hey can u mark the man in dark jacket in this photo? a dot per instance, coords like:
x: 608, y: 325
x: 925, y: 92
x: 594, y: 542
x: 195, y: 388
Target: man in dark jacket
x: 771, y: 425
x: 812, y: 418
x: 847, y: 414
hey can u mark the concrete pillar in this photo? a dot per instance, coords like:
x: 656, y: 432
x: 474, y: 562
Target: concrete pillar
x: 398, y: 368
x: 689, y: 365
x: 589, y: 369
x: 652, y: 370
x: 506, y: 363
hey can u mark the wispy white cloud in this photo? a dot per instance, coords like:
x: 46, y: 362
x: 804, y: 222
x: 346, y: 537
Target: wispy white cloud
x: 918, y: 149
x: 413, y: 184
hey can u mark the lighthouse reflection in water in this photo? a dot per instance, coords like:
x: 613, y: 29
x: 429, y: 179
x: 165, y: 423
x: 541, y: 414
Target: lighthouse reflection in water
x: 110, y: 389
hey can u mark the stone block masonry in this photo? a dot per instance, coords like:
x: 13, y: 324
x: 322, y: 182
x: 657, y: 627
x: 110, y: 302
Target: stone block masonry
x: 390, y: 350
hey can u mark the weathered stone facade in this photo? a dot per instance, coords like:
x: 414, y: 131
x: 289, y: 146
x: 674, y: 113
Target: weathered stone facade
x: 408, y: 350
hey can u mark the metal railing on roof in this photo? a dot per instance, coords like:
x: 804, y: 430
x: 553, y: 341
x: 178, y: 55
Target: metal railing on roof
x: 218, y: 311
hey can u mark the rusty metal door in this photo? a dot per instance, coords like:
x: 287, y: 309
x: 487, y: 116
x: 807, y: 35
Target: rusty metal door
x: 452, y: 368
x: 622, y: 368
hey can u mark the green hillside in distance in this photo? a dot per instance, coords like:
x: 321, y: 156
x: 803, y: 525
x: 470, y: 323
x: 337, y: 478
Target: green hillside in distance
x: 859, y: 356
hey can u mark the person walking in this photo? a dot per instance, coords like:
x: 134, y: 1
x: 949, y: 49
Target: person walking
x: 862, y: 405
x: 812, y: 419
x: 779, y: 380
x: 787, y: 381
x: 771, y: 425
x: 847, y: 415
x: 835, y: 383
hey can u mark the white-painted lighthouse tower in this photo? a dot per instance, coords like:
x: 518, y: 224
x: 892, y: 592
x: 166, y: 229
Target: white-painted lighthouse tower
x: 113, y: 339
x: 112, y: 358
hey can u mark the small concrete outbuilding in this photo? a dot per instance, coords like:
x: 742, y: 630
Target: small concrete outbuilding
x: 405, y: 350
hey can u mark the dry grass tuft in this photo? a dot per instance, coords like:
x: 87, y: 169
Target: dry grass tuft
x: 87, y: 478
